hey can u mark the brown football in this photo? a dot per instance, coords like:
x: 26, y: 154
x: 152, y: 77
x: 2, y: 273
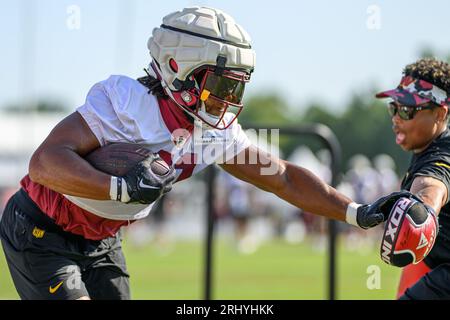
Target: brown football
x: 119, y: 157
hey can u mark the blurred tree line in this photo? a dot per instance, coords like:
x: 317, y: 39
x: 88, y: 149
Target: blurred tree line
x: 363, y: 127
x: 41, y: 106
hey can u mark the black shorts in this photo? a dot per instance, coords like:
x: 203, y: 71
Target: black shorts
x: 435, y: 285
x: 46, y: 262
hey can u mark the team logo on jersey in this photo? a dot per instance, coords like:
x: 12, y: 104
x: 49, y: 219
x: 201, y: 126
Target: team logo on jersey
x: 179, y: 137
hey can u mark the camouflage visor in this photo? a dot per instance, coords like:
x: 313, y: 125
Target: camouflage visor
x: 414, y: 92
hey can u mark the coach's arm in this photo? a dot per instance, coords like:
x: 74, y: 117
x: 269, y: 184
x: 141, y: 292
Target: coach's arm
x: 292, y: 183
x: 431, y: 191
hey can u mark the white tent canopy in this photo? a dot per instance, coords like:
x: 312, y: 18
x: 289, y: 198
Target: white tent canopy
x: 20, y: 135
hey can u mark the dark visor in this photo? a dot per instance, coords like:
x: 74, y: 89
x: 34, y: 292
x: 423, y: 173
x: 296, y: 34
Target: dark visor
x: 225, y: 87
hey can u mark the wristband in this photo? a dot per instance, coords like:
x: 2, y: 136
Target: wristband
x: 351, y: 213
x: 118, y: 190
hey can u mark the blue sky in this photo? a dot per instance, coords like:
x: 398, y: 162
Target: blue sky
x: 306, y: 50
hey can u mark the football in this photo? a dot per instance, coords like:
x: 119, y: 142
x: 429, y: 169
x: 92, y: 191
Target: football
x: 119, y: 157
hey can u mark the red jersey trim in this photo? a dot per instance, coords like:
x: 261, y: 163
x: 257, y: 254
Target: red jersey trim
x: 69, y: 216
x: 174, y: 118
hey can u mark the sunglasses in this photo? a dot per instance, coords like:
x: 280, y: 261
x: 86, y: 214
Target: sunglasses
x: 406, y: 112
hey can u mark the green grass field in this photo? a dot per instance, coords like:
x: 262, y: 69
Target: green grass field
x: 276, y: 271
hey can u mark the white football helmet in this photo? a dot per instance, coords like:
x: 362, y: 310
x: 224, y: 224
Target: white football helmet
x: 201, y: 53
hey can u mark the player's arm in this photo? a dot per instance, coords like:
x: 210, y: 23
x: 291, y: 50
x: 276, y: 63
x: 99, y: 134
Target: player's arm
x: 303, y: 189
x: 432, y: 192
x: 297, y: 186
x: 58, y: 164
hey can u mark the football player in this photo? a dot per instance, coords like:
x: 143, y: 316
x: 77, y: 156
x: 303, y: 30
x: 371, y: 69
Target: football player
x: 419, y: 111
x: 60, y: 232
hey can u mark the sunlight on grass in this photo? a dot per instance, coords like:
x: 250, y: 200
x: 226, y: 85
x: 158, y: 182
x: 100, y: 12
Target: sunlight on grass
x: 275, y: 271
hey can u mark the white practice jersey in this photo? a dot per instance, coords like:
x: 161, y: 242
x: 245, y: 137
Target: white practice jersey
x: 120, y: 109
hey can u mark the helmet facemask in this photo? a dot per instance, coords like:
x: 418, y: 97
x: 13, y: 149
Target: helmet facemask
x: 219, y: 93
x: 212, y: 93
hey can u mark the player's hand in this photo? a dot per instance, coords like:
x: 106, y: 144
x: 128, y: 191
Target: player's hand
x: 410, y: 231
x: 369, y: 215
x: 143, y: 184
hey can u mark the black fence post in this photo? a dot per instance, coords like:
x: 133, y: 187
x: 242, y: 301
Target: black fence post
x: 330, y: 142
x: 210, y: 193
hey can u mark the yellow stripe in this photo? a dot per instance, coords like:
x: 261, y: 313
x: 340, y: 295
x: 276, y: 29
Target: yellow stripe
x: 440, y: 164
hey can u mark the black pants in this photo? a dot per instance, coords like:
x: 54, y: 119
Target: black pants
x: 435, y: 285
x: 46, y: 262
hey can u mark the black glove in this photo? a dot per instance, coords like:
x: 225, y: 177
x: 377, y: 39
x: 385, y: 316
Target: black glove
x: 370, y: 215
x: 143, y: 184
